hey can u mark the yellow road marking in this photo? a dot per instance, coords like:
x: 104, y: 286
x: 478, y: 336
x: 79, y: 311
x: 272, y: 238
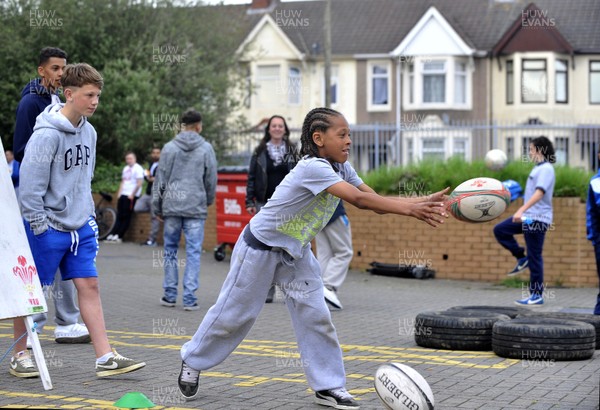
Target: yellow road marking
x: 275, y: 349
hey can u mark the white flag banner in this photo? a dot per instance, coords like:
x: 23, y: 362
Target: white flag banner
x: 20, y: 291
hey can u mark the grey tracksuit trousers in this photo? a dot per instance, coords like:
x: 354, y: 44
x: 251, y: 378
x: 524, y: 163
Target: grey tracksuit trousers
x: 241, y: 299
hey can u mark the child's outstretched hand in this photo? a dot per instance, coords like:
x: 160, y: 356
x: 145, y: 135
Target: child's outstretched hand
x: 439, y: 196
x: 431, y: 212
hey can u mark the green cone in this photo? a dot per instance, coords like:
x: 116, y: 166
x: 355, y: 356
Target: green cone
x: 134, y: 400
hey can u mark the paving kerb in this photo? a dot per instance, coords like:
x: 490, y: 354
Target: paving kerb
x: 265, y: 372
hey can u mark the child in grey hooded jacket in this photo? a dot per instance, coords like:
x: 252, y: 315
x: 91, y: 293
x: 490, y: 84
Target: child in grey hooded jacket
x: 58, y: 211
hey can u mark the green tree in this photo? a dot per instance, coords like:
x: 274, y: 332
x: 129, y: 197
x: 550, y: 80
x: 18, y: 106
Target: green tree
x: 158, y: 58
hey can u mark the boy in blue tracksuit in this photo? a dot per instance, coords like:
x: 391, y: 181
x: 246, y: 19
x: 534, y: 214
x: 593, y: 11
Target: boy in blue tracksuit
x: 38, y: 94
x: 593, y: 223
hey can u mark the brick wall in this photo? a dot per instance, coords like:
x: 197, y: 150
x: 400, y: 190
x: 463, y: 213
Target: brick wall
x: 456, y: 250
x: 459, y: 250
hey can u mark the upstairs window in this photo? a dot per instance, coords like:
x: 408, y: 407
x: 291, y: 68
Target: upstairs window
x: 378, y: 86
x: 294, y: 90
x: 434, y: 82
x: 561, y: 81
x: 534, y: 81
x: 594, y: 82
x: 510, y: 82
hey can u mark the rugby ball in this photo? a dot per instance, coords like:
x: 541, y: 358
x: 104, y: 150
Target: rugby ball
x: 495, y: 159
x: 478, y: 200
x: 402, y: 388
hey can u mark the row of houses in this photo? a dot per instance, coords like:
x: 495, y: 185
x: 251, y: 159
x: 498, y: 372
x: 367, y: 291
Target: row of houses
x: 441, y: 77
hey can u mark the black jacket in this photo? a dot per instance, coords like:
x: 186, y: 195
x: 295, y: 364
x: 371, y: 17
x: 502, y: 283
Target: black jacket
x: 256, y: 189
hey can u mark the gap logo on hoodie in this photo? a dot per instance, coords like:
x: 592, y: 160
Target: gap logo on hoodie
x: 76, y: 156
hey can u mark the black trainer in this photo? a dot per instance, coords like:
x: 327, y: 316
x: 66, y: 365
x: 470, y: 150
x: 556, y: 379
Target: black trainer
x: 522, y: 264
x: 336, y: 398
x: 165, y: 302
x: 271, y: 294
x: 188, y: 381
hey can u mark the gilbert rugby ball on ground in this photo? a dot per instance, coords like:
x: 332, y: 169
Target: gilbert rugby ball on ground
x: 478, y: 200
x: 402, y: 388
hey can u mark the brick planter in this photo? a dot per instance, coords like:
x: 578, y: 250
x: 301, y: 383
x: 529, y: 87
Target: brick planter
x: 457, y: 250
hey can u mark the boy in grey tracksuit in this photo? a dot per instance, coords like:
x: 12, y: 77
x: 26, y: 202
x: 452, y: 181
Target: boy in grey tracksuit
x: 184, y: 187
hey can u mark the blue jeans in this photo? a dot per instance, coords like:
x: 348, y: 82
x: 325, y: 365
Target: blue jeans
x: 534, y: 235
x: 193, y: 230
x: 597, y: 253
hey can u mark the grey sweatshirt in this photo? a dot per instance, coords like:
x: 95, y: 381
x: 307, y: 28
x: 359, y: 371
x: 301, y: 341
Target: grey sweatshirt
x: 57, y: 171
x: 186, y: 179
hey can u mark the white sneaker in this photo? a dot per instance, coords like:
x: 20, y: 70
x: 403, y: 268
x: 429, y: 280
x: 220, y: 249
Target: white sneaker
x: 331, y: 298
x: 75, y: 333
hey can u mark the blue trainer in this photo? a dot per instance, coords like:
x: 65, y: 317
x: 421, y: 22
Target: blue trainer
x: 522, y: 264
x: 531, y: 300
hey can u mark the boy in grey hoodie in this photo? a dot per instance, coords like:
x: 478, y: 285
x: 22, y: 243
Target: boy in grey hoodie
x: 184, y: 187
x: 58, y: 209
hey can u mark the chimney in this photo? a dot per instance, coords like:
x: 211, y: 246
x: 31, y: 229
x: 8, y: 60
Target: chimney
x: 261, y: 6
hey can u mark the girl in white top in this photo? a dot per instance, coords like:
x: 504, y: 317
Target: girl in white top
x: 130, y: 190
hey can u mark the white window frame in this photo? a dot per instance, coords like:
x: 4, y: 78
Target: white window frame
x: 458, y: 74
x: 559, y: 73
x: 259, y: 83
x: 443, y: 150
x: 593, y: 74
x: 510, y: 82
x: 562, y: 150
x: 449, y: 145
x: 370, y: 66
x: 416, y: 78
x: 294, y: 88
x: 443, y: 72
x: 543, y: 86
x: 334, y: 82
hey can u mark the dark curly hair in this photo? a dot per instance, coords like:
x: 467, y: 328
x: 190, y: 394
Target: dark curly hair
x: 544, y: 146
x: 318, y: 119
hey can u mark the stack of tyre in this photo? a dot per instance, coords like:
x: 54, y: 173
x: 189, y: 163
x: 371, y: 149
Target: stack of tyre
x: 510, y: 332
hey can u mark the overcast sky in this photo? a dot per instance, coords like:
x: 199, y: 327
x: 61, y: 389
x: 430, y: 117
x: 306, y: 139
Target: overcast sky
x: 238, y: 1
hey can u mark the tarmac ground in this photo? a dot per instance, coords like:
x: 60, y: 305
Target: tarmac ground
x: 265, y: 372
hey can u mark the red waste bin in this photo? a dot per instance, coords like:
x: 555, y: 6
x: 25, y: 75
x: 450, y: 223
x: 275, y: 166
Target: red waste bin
x: 232, y: 216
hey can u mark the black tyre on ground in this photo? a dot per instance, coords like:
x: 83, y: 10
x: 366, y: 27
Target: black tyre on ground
x: 593, y: 320
x: 531, y: 338
x: 510, y: 311
x: 456, y: 329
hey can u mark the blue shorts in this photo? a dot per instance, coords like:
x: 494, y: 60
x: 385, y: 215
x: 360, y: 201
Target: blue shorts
x: 73, y: 252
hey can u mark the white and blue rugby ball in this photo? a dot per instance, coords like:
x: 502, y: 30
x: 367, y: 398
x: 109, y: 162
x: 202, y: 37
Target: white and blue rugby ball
x: 402, y: 388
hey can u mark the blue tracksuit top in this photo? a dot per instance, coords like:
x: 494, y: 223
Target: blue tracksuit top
x: 593, y: 210
x: 34, y: 99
